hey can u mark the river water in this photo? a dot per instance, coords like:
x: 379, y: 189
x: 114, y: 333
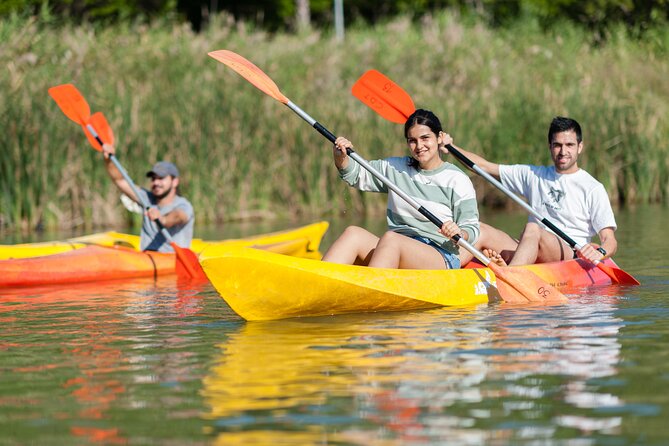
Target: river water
x: 157, y: 362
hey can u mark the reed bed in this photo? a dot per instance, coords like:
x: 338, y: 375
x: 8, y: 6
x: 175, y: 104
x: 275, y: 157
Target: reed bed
x: 244, y: 155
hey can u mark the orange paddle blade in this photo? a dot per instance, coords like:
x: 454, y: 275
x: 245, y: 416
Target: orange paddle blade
x: 71, y: 102
x: 518, y: 286
x: 384, y: 96
x: 101, y: 126
x: 250, y: 72
x: 617, y: 275
x: 187, y: 264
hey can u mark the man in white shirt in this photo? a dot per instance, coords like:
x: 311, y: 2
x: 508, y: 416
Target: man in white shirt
x: 564, y: 194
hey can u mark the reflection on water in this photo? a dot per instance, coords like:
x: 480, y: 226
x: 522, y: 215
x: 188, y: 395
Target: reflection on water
x: 163, y: 362
x: 475, y: 375
x: 114, y: 363
x: 78, y: 354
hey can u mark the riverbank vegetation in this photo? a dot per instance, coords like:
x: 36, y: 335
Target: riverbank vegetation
x: 244, y: 155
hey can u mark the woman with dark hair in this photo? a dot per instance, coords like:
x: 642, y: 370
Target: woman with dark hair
x: 412, y: 241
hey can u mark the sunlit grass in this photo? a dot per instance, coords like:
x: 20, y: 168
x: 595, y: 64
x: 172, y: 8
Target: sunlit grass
x: 245, y: 155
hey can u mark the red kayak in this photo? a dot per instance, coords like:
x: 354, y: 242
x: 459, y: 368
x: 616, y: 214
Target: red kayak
x: 566, y: 274
x: 85, y: 265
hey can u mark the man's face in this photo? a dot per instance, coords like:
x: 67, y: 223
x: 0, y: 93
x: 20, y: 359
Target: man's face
x: 161, y: 187
x: 565, y: 150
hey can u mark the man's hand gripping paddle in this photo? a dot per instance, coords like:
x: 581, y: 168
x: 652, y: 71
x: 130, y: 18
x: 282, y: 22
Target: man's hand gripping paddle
x: 511, y: 286
x: 97, y: 130
x: 393, y: 103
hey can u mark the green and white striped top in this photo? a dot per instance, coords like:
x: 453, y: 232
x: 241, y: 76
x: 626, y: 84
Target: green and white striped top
x: 447, y: 192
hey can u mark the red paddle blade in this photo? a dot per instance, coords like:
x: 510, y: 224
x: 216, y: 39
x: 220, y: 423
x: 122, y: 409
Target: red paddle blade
x: 71, y: 102
x: 187, y: 264
x: 250, y: 72
x: 518, y: 286
x: 617, y: 275
x: 384, y: 96
x: 101, y: 126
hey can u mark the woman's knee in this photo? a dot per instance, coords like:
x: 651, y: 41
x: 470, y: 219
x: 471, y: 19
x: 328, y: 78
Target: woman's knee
x: 390, y: 238
x: 355, y: 233
x: 390, y: 235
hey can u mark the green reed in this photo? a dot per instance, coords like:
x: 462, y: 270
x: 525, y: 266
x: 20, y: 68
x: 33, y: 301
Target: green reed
x: 244, y: 155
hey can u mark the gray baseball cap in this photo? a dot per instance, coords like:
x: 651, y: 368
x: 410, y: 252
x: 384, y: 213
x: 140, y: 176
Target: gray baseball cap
x: 162, y: 169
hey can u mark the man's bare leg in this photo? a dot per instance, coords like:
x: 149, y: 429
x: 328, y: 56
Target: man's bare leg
x: 528, y: 247
x: 538, y: 245
x: 492, y: 239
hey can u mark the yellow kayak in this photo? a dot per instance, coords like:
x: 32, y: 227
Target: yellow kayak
x: 309, y: 235
x: 261, y: 285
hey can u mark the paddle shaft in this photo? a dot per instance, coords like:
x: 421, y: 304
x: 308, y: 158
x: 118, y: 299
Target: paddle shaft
x: 426, y: 213
x: 133, y: 186
x: 469, y: 163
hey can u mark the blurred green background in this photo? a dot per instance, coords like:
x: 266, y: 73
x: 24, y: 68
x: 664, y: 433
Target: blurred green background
x: 495, y: 72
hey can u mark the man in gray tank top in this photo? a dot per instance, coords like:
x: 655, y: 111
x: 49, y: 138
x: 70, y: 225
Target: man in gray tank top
x: 172, y: 210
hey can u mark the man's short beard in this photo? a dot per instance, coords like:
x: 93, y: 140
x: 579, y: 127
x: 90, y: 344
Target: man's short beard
x: 164, y: 194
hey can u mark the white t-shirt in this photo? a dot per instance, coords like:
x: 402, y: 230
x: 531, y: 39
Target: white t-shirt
x: 576, y: 203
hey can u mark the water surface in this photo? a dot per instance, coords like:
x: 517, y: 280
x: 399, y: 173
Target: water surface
x: 161, y: 362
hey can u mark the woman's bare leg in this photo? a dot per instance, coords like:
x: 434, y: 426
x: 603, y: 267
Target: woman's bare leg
x: 353, y: 247
x: 399, y: 251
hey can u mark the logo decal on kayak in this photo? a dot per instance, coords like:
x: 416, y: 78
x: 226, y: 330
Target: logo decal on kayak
x: 482, y: 286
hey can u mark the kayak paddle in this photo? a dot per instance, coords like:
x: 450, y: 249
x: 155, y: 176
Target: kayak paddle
x: 97, y: 130
x: 393, y: 103
x: 516, y: 286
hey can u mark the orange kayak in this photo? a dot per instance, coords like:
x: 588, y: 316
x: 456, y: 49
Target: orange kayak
x: 85, y: 265
x: 96, y: 263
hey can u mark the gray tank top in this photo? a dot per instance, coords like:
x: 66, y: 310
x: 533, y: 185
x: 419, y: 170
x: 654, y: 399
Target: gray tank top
x: 152, y: 240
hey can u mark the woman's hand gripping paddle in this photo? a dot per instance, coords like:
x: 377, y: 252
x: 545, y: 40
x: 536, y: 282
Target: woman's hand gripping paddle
x: 391, y: 102
x: 513, y: 287
x: 98, y: 132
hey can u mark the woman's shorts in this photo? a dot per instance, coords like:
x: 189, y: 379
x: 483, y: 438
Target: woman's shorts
x: 452, y: 261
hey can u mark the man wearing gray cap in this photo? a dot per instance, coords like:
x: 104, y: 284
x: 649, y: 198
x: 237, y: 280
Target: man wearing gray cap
x: 172, y: 210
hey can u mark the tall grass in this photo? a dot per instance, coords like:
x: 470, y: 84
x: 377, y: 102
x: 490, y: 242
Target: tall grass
x: 245, y: 155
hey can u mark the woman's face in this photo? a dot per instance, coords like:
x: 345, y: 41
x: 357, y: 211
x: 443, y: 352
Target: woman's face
x: 424, y: 145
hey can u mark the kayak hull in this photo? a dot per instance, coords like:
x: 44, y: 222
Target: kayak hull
x: 85, y: 265
x: 259, y: 285
x: 93, y: 263
x: 565, y: 275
